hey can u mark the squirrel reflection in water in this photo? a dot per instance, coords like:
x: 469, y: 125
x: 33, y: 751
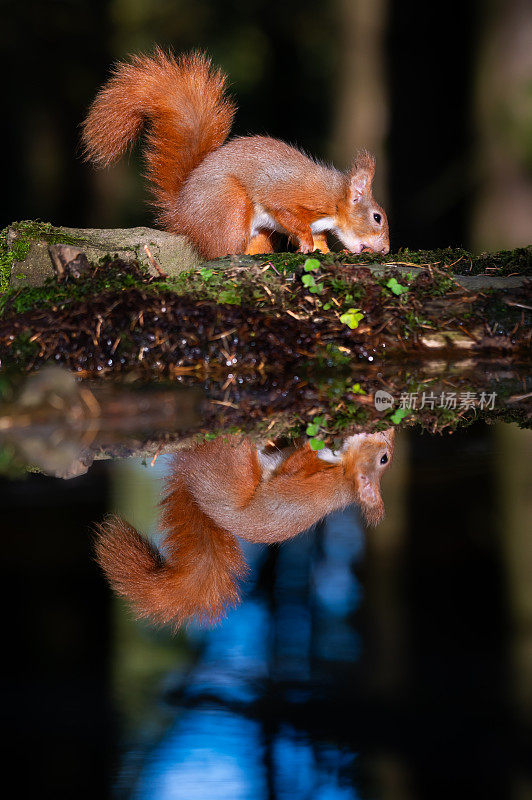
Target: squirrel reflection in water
x: 224, y: 488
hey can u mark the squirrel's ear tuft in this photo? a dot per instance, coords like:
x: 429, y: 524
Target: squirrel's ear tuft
x: 361, y: 176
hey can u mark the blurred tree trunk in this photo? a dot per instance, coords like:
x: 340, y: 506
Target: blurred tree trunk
x: 504, y: 120
x: 514, y: 447
x: 362, y: 98
x: 386, y: 645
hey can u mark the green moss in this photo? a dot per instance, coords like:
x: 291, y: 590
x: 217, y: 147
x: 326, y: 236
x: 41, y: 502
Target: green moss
x: 29, y: 231
x: 54, y: 294
x: 9, y: 254
x: 256, y: 286
x: 456, y: 260
x: 459, y: 261
x: 290, y: 262
x: 23, y: 234
x: 5, y: 262
x: 350, y: 415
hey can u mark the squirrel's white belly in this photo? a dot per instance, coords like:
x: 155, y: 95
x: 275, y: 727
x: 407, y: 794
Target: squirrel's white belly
x: 323, y: 224
x: 263, y: 221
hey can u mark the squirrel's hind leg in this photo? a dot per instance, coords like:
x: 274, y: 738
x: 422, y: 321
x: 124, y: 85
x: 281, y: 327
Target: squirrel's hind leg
x: 227, y: 233
x: 260, y: 243
x: 320, y: 242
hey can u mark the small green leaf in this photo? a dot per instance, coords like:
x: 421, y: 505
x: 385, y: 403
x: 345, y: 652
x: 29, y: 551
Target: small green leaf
x: 317, y: 289
x: 318, y: 420
x: 206, y: 273
x: 308, y: 280
x: 399, y: 414
x: 317, y: 444
x: 210, y: 436
x: 357, y: 389
x: 396, y: 287
x: 312, y: 430
x: 311, y: 265
x: 352, y: 317
x: 327, y: 306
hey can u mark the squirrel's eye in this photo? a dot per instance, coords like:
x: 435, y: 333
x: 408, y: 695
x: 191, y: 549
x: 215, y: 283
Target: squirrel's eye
x: 377, y: 218
x: 384, y: 459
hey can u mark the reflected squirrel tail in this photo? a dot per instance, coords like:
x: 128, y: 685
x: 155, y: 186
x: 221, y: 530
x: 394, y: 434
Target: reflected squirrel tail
x: 194, y: 576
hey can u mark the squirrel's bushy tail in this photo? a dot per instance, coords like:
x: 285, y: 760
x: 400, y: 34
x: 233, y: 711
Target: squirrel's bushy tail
x: 185, y: 103
x: 195, y: 577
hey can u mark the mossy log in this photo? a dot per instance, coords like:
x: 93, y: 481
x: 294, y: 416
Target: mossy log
x: 25, y: 250
x: 92, y: 300
x: 25, y: 257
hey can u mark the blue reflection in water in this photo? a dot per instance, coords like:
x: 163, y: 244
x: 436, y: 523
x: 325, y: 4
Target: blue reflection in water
x: 214, y: 753
x: 303, y: 770
x: 275, y: 645
x: 234, y: 663
x: 208, y: 753
x: 337, y: 593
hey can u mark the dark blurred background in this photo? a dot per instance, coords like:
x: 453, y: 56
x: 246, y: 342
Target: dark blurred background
x: 437, y: 693
x: 442, y: 93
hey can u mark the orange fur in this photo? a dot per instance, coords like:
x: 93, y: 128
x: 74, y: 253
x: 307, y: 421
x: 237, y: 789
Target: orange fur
x: 225, y: 488
x: 227, y: 198
x: 195, y: 575
x: 260, y: 243
x: 183, y: 100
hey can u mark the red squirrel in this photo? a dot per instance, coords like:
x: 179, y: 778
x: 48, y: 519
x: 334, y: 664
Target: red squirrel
x: 224, y: 488
x: 227, y: 198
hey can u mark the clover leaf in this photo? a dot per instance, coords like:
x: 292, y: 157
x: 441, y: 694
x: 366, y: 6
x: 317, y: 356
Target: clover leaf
x: 352, y: 317
x: 396, y: 287
x: 399, y: 414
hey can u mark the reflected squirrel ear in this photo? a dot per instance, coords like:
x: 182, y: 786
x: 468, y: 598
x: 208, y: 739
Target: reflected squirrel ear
x: 369, y: 499
x: 361, y: 176
x: 326, y: 454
